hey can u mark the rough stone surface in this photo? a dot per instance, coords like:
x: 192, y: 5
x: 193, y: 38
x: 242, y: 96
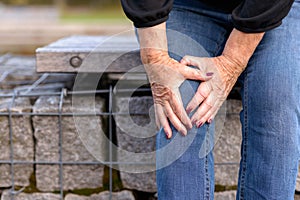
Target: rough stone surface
x: 76, y: 197
x: 73, y: 149
x: 34, y: 196
x: 227, y: 195
x: 131, y: 141
x: 21, y: 70
x: 22, y: 142
x: 298, y: 181
x: 123, y: 195
x: 227, y: 148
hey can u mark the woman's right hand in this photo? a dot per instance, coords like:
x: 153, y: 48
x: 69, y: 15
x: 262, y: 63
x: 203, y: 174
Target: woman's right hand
x: 166, y: 75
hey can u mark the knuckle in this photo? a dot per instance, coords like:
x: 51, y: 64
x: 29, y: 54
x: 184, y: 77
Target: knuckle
x: 203, y: 93
x: 208, y: 104
x: 185, y: 57
x: 165, y: 127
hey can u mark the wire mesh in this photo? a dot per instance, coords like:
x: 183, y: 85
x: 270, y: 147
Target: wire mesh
x: 33, y: 92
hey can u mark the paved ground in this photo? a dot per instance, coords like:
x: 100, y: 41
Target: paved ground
x: 23, y: 29
x: 28, y: 13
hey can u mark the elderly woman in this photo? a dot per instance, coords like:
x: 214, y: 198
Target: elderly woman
x: 254, y: 42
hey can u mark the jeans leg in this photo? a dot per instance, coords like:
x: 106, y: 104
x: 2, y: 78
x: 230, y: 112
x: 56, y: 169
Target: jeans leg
x: 271, y: 115
x: 181, y: 173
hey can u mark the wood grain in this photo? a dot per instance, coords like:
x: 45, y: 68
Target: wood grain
x: 98, y: 54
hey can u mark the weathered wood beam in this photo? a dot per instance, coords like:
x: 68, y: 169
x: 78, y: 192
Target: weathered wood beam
x: 94, y: 54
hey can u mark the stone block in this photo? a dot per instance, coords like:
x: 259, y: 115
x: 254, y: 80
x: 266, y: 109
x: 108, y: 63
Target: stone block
x: 76, y: 197
x: 23, y: 147
x: 33, y: 196
x: 227, y: 148
x: 298, y: 181
x: 227, y: 195
x: 46, y: 132
x: 123, y: 195
x: 136, y: 134
x: 21, y: 70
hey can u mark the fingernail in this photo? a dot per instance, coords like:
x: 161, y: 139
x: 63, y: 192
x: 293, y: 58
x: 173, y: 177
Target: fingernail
x: 200, y: 124
x: 167, y: 135
x: 184, y: 133
x: 209, y: 74
x: 210, y: 121
x: 190, y: 126
x: 194, y: 122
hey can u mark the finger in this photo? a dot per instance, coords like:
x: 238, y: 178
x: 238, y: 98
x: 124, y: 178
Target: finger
x: 190, y: 60
x: 211, y: 116
x: 178, y: 109
x: 202, y: 110
x: 200, y: 62
x: 157, y: 122
x: 164, y: 121
x: 194, y: 74
x: 202, y: 92
x: 174, y: 120
x: 184, y: 62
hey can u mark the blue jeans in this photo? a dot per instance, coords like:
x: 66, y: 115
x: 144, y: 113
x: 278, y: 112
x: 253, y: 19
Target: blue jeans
x: 270, y: 117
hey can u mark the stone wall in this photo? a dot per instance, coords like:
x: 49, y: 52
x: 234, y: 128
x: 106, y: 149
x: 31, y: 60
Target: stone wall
x: 41, y: 134
x: 36, y: 139
x: 22, y: 141
x: 46, y: 132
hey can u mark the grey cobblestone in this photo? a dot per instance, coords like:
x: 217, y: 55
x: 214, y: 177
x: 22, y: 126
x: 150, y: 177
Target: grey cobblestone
x: 22, y: 142
x: 227, y: 148
x: 227, y: 195
x: 47, y: 147
x: 123, y: 195
x: 136, y: 143
x: 34, y: 196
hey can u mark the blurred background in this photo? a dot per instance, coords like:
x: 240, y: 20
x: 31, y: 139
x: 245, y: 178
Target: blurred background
x: 28, y: 24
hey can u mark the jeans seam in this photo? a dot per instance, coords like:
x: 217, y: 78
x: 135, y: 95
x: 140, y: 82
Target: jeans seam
x: 245, y: 139
x: 207, y: 178
x: 219, y: 43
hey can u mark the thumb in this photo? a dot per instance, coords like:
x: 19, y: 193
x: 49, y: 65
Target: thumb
x: 190, y: 60
x: 193, y: 73
x: 202, y: 63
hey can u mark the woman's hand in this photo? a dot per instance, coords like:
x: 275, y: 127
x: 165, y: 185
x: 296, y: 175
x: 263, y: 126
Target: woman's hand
x: 211, y: 94
x: 166, y: 75
x: 226, y: 68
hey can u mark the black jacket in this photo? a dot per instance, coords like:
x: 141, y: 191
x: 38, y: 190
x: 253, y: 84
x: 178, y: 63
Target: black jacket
x: 251, y: 16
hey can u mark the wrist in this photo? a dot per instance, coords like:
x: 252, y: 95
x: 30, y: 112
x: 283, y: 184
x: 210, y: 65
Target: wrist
x: 240, y: 47
x: 153, y: 56
x: 233, y: 68
x: 153, y: 43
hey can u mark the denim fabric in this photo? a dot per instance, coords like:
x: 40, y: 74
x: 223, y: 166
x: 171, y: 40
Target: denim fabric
x: 270, y: 117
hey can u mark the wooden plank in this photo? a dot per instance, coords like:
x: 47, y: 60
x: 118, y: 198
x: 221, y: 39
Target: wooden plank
x: 94, y: 54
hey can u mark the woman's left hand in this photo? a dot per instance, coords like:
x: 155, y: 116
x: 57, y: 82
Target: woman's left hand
x: 211, y: 94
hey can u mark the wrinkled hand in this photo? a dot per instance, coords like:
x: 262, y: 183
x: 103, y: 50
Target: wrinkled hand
x: 211, y: 94
x: 166, y: 75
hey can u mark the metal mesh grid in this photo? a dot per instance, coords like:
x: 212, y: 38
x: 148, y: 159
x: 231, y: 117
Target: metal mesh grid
x: 31, y: 93
x: 60, y: 114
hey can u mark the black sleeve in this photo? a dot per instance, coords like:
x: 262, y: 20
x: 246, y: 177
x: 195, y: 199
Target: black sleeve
x: 253, y: 16
x: 147, y: 13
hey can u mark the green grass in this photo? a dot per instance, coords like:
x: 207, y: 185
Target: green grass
x: 222, y: 188
x: 114, y: 15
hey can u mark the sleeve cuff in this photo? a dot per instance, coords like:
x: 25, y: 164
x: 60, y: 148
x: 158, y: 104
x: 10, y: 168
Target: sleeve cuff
x: 151, y: 23
x: 255, y: 29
